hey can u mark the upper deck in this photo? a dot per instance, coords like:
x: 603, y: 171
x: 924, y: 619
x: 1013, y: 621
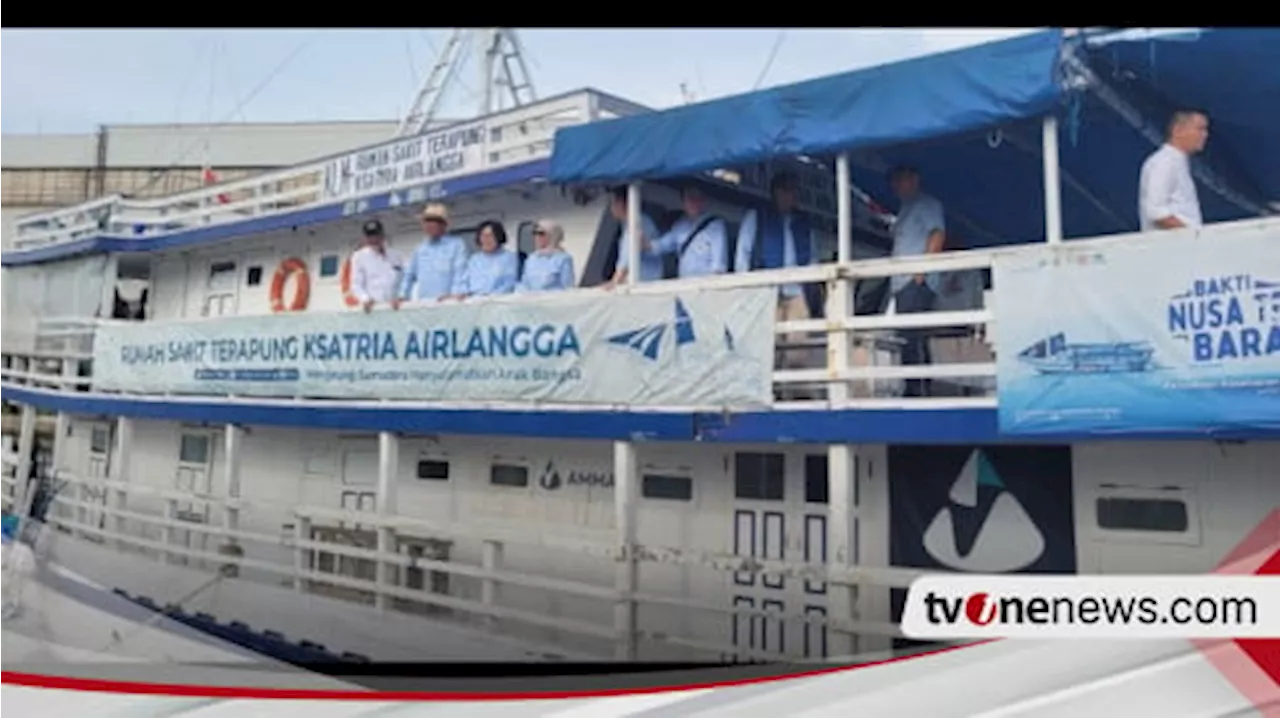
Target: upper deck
x: 490, y: 151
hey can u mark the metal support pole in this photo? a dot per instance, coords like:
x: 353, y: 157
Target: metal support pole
x: 633, y: 231
x: 1052, y: 182
x: 388, y: 471
x: 843, y: 542
x: 24, y: 494
x: 626, y: 499
x: 844, y: 210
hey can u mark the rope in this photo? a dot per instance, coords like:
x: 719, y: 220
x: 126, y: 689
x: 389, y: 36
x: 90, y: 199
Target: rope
x: 773, y: 53
x: 240, y: 106
x: 118, y: 639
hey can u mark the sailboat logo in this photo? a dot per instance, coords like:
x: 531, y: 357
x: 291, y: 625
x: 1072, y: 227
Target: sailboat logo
x: 984, y: 529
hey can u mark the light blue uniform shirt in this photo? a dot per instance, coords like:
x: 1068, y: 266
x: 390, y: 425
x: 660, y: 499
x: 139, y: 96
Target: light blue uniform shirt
x: 706, y: 255
x: 436, y: 269
x: 917, y: 219
x: 491, y: 273
x: 747, y: 236
x: 650, y: 260
x: 545, y: 271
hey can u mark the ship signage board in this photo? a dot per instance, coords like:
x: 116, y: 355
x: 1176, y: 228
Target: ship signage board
x: 705, y: 349
x: 422, y: 159
x: 1161, y: 333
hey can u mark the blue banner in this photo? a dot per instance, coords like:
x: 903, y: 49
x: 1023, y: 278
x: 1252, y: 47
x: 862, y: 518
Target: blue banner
x: 699, y: 349
x: 1160, y: 334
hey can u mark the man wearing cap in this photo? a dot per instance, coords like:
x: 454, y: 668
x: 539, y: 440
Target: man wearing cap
x: 375, y: 270
x: 435, y: 272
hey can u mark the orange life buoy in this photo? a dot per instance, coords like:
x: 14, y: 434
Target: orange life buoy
x: 301, y: 293
x: 344, y: 281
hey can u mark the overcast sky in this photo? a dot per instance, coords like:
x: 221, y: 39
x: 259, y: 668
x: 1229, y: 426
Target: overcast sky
x: 73, y: 80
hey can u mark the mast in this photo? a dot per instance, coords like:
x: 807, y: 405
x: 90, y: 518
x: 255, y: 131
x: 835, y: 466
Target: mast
x: 504, y: 76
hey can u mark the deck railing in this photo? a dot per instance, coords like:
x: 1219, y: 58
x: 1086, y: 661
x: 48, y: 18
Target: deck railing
x: 147, y: 521
x: 58, y: 353
x: 509, y: 138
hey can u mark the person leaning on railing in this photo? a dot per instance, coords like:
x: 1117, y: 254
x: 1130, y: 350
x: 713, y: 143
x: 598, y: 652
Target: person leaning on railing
x: 375, y: 269
x: 434, y: 273
x: 549, y: 267
x: 920, y: 228
x: 699, y: 239
x: 650, y: 259
x: 492, y: 270
x: 775, y: 236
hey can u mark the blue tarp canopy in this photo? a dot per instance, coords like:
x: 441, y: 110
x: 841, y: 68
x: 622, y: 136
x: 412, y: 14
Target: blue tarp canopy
x: 970, y: 120
x: 930, y: 96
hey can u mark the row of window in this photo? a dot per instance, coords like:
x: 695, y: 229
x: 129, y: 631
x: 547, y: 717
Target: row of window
x: 757, y: 476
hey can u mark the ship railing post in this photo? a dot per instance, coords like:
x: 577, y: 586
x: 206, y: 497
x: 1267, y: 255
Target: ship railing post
x: 62, y: 422
x: 301, y: 554
x: 633, y: 231
x: 841, y: 540
x: 123, y: 467
x: 388, y: 473
x: 1052, y: 181
x: 233, y: 439
x: 491, y: 560
x: 626, y: 499
x: 24, y: 492
x: 840, y: 290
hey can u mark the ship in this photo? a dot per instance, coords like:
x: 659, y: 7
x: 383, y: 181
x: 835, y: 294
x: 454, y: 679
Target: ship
x: 1055, y: 356
x: 686, y: 497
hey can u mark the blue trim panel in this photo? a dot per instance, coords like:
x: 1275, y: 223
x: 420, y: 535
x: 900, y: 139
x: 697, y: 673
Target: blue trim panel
x: 872, y: 426
x: 314, y: 215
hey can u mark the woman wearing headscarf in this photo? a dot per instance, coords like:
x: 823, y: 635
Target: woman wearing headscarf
x: 493, y: 269
x: 549, y: 267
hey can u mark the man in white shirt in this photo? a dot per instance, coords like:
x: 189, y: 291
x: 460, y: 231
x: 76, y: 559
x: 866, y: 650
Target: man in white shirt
x: 1167, y: 196
x: 375, y: 270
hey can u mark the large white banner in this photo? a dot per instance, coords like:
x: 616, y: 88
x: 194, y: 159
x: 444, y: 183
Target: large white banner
x: 426, y: 158
x: 704, y: 348
x: 1163, y: 333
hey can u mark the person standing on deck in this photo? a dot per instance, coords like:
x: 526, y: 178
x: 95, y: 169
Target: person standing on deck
x: 1167, y: 196
x: 549, y: 267
x: 492, y: 270
x: 919, y: 229
x: 376, y: 270
x: 650, y: 259
x: 435, y: 272
x: 698, y: 238
x: 778, y: 236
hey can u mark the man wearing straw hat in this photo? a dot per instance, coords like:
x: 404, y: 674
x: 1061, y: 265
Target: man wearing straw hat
x: 434, y: 273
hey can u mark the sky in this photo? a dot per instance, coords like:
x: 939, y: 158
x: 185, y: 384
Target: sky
x: 60, y: 81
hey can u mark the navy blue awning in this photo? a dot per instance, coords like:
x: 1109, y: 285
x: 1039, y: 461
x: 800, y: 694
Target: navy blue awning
x: 927, y: 97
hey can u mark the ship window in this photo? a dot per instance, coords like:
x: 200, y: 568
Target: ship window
x: 217, y: 269
x: 509, y: 475
x: 432, y: 470
x: 495, y: 134
x: 255, y: 276
x: 817, y: 481
x: 99, y: 440
x: 1131, y: 514
x: 758, y: 476
x: 328, y: 265
x: 194, y: 449
x: 658, y: 486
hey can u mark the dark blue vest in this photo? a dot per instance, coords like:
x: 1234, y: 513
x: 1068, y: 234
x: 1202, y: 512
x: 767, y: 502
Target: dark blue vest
x: 769, y: 249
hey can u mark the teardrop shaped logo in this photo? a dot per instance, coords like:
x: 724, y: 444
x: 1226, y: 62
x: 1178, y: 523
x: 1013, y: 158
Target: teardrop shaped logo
x: 1001, y: 536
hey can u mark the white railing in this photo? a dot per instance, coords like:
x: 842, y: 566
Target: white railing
x: 870, y: 375
x: 509, y: 138
x: 95, y: 510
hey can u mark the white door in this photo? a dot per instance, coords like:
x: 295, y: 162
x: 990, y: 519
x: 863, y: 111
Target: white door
x: 97, y: 465
x: 220, y: 289
x: 193, y: 478
x: 359, y: 475
x: 778, y: 515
